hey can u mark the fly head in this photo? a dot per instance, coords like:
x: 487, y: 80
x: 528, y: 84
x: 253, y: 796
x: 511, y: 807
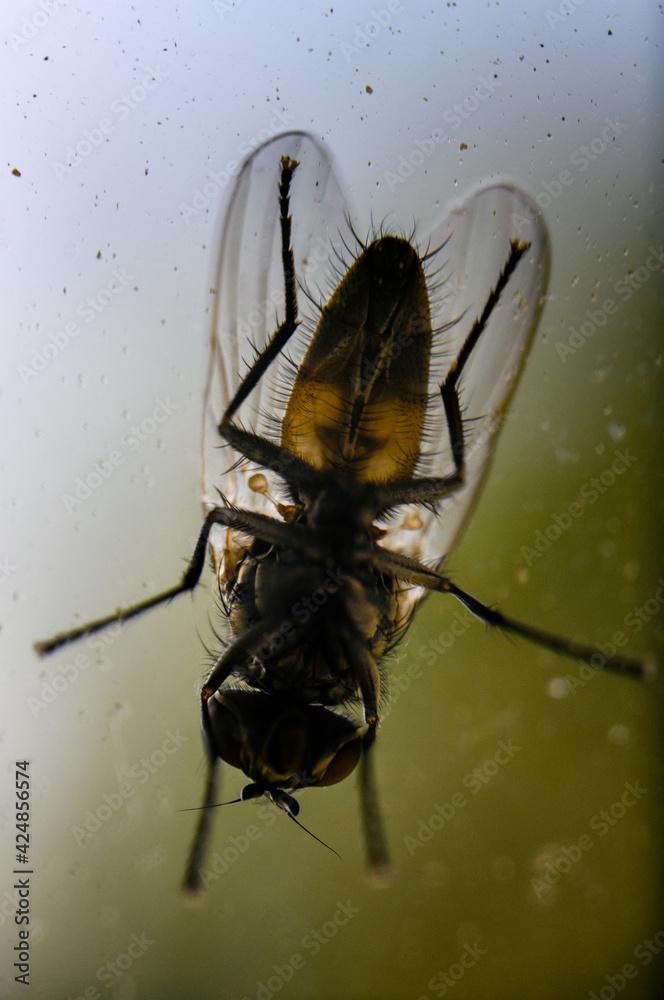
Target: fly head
x: 280, y: 742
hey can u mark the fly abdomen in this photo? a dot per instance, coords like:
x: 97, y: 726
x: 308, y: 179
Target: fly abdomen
x: 360, y: 395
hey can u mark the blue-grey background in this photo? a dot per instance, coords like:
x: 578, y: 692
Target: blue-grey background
x: 158, y: 99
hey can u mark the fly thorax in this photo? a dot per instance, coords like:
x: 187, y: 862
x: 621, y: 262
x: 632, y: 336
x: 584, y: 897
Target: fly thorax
x: 344, y: 520
x: 365, y: 606
x: 284, y: 585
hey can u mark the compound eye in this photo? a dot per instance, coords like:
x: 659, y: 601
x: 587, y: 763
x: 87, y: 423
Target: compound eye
x: 225, y: 734
x: 229, y: 749
x: 342, y: 764
x: 252, y: 791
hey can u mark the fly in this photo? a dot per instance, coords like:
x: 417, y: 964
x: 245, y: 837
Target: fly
x: 373, y: 459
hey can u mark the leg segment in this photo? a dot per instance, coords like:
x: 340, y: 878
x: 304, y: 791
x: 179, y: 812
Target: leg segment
x: 192, y: 883
x: 378, y: 858
x: 448, y: 389
x: 257, y: 525
x: 272, y: 456
x: 426, y: 489
x: 413, y: 572
x: 289, y: 325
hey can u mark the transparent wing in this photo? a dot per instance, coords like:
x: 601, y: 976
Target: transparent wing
x: 474, y: 241
x: 249, y: 305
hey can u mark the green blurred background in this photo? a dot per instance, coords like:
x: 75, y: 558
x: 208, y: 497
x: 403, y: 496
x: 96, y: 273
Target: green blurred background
x: 474, y: 885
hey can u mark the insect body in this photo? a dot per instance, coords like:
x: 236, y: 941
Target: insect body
x: 356, y: 420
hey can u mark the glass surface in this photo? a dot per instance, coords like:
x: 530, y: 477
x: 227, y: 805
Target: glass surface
x: 523, y: 810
